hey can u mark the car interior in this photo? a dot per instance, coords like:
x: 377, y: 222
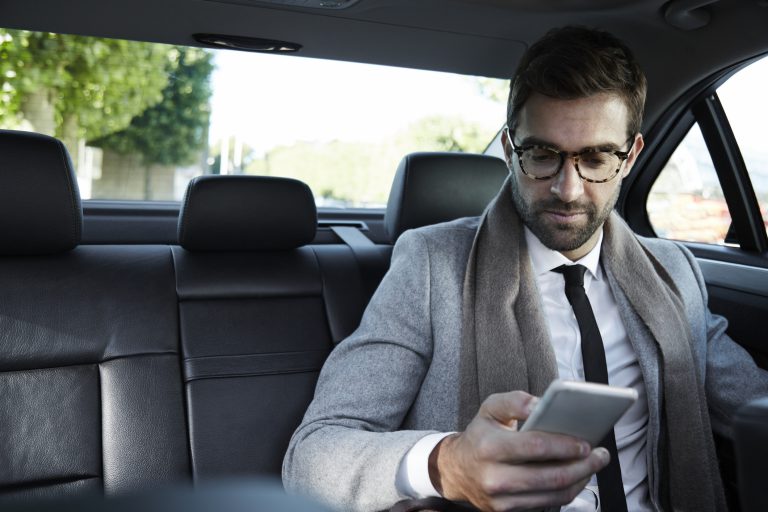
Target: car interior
x: 150, y: 344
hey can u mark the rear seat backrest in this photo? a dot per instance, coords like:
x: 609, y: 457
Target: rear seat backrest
x: 92, y: 388
x: 90, y: 385
x: 254, y: 310
x: 438, y: 187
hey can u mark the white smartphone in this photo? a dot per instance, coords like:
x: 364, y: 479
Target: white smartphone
x: 586, y: 410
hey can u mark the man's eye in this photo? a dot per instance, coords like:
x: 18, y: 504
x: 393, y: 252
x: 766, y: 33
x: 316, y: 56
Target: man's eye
x: 542, y: 155
x: 595, y: 159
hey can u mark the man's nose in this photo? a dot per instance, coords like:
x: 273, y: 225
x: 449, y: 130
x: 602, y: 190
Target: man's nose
x: 567, y: 185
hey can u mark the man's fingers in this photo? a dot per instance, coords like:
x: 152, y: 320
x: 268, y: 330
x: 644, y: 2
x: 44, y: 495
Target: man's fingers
x: 491, y: 460
x: 501, y: 479
x: 522, y: 447
x: 507, y: 407
x: 495, y: 440
x: 525, y: 501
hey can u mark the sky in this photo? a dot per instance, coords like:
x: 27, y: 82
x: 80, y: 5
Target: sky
x: 275, y: 99
x: 744, y: 100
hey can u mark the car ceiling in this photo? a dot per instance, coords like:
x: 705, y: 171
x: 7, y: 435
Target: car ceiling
x: 479, y: 37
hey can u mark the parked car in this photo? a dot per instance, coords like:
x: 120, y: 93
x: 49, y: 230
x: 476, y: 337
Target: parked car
x: 161, y: 327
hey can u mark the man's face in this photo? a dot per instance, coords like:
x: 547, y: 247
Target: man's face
x: 565, y: 212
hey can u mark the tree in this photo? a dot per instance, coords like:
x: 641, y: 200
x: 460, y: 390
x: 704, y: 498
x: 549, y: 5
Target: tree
x: 440, y: 133
x: 175, y: 130
x: 77, y: 87
x: 493, y: 88
x: 360, y: 173
x: 9, y: 99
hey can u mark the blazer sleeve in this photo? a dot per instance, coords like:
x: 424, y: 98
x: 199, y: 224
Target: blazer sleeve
x: 731, y: 376
x: 347, y: 450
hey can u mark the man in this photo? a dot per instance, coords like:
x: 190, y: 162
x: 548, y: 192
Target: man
x: 475, y: 319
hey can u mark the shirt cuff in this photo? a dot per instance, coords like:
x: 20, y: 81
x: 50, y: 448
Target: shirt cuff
x: 588, y: 500
x: 412, y: 478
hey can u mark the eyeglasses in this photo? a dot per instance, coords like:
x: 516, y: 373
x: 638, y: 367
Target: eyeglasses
x: 592, y: 165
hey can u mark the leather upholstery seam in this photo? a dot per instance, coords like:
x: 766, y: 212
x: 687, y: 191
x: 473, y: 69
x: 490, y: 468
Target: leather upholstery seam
x: 254, y: 354
x: 87, y: 363
x: 264, y: 373
x: 46, y: 482
x: 72, y: 199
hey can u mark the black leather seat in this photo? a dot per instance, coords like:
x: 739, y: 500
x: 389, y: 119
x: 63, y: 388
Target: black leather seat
x: 260, y: 310
x: 90, y: 384
x: 437, y: 187
x: 125, y: 368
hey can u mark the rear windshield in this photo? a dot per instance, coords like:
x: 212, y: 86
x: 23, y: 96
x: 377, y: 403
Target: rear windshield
x: 140, y: 120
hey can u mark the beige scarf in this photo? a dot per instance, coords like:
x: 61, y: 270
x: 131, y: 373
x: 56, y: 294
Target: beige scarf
x: 506, y: 346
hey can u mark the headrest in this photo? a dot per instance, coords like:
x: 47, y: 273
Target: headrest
x: 437, y: 187
x: 40, y: 211
x: 246, y: 213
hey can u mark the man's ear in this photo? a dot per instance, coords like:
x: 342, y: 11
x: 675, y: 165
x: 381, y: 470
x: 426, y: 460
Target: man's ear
x: 506, y: 146
x: 634, y: 152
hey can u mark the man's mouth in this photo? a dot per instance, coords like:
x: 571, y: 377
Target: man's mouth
x: 565, y: 216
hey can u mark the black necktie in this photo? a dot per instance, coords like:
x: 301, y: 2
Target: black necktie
x: 609, y: 482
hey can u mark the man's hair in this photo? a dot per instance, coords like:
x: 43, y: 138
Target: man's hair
x: 578, y: 62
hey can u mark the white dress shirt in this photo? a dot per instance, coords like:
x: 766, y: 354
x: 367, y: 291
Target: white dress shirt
x: 623, y: 370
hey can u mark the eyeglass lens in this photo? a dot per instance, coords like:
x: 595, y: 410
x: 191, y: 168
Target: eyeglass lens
x: 543, y: 162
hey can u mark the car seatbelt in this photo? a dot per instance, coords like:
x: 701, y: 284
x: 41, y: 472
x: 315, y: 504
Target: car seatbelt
x: 372, y: 263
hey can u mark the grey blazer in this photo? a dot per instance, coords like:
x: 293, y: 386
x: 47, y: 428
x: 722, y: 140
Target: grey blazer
x: 394, y: 380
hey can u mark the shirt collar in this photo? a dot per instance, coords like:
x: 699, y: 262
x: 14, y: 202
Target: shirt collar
x: 545, y: 259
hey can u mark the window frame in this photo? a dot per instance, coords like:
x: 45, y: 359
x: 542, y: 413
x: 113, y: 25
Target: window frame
x: 701, y: 105
x: 746, y: 218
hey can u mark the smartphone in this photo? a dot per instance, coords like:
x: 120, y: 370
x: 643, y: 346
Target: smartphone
x: 586, y: 410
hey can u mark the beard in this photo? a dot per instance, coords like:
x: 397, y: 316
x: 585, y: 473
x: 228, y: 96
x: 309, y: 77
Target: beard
x: 562, y: 236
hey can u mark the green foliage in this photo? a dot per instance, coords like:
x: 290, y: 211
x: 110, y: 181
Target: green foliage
x: 96, y: 86
x: 440, y: 133
x: 174, y: 131
x: 360, y: 173
x: 344, y: 171
x: 9, y: 99
x: 493, y: 89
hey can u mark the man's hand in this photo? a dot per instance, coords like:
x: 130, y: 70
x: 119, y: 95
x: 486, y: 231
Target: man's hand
x: 497, y: 468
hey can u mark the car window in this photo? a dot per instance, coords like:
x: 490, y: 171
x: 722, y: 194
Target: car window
x: 746, y: 105
x: 686, y: 202
x: 140, y: 119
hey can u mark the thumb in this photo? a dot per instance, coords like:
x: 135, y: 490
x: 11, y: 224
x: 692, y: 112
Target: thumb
x: 507, y: 408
